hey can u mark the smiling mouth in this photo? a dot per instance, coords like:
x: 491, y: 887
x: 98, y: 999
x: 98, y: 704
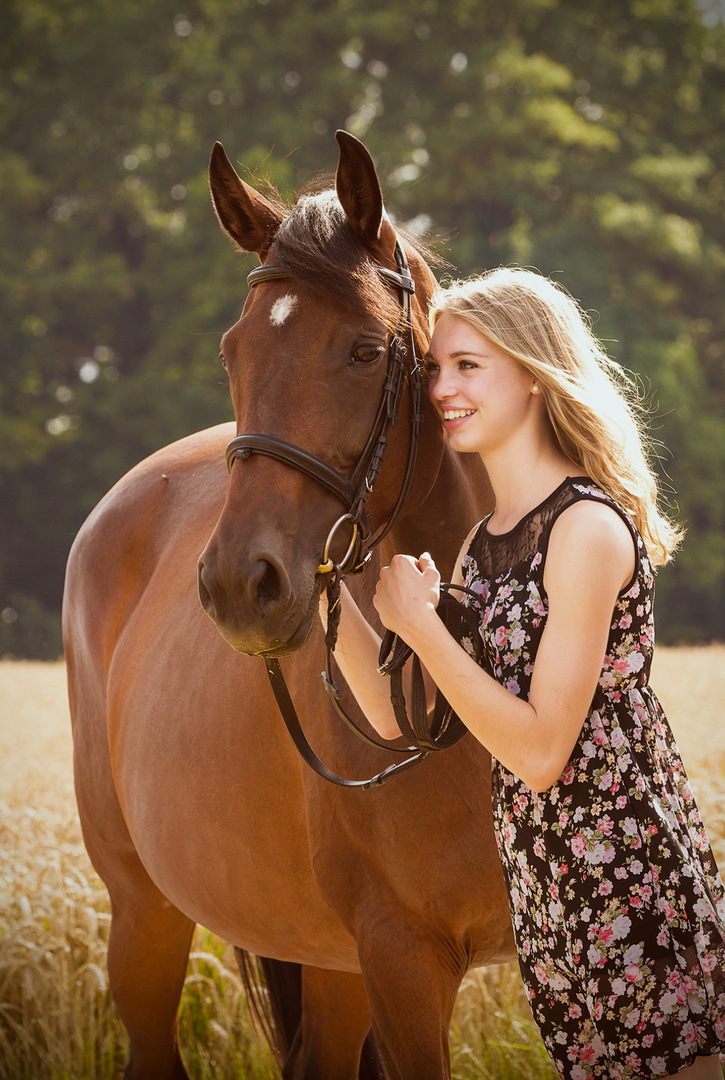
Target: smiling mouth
x: 456, y: 414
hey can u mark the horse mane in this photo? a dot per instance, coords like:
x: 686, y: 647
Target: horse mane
x: 317, y: 247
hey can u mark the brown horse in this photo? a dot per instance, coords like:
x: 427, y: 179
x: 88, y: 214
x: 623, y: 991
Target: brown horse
x: 194, y: 803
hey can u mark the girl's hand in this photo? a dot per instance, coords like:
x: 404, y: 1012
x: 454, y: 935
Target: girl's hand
x: 407, y: 594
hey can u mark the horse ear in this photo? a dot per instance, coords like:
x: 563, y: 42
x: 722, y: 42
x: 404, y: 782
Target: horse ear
x: 243, y: 213
x: 358, y: 190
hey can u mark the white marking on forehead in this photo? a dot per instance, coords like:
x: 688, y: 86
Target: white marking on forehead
x: 282, y: 309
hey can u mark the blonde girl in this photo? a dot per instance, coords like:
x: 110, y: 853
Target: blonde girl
x: 617, y: 907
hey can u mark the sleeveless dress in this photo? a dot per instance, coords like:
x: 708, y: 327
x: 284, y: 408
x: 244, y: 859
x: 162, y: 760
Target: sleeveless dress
x: 617, y: 905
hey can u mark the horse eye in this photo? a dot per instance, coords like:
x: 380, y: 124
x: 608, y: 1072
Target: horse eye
x: 222, y: 360
x: 367, y: 354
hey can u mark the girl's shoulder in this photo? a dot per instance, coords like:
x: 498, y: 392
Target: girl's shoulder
x: 592, y: 527
x: 592, y: 537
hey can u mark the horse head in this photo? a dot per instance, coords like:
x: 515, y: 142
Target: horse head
x: 308, y: 364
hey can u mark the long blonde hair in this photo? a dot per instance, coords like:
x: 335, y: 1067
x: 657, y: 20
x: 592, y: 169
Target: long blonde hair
x: 592, y: 404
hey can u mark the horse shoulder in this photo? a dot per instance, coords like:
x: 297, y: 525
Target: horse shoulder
x: 166, y: 503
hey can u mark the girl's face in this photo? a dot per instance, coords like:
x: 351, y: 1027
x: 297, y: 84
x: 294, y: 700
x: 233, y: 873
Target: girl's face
x: 482, y: 395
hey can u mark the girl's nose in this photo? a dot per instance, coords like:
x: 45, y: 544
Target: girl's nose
x: 440, y: 386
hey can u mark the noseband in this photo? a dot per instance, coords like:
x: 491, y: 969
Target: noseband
x: 354, y: 491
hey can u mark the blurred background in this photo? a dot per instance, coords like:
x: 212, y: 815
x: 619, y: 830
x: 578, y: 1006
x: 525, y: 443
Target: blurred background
x: 585, y: 138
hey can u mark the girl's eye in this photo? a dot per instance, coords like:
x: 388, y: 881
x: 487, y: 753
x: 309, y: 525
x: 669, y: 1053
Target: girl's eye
x: 367, y: 354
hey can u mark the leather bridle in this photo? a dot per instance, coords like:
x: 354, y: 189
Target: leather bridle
x: 354, y: 492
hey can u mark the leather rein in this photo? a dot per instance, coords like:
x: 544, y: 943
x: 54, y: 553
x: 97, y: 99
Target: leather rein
x: 354, y: 492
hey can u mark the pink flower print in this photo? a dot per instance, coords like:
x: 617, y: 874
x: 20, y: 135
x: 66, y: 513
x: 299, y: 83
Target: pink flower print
x: 691, y: 1035
x: 514, y: 614
x: 597, y: 854
x: 625, y: 622
x: 504, y: 592
x: 668, y: 1002
x: 536, y: 561
x: 668, y: 910
x: 632, y: 1018
x: 629, y: 826
x: 513, y: 687
x: 606, y: 935
x: 568, y: 775
x: 540, y: 973
x: 578, y: 845
x: 633, y: 955
x: 633, y: 973
x: 657, y: 1065
x: 594, y: 956
x: 702, y: 908
x: 621, y: 927
x: 518, y: 638
x: 500, y: 636
x: 605, y: 888
x: 635, y: 662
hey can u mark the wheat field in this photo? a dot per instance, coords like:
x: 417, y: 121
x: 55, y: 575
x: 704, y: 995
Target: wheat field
x: 57, y: 1021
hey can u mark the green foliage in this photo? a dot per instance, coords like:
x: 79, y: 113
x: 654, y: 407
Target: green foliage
x: 584, y: 139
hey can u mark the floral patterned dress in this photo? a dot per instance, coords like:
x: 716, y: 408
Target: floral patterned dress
x: 617, y: 906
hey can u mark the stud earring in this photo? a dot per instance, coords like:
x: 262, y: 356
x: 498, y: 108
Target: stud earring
x: 535, y: 388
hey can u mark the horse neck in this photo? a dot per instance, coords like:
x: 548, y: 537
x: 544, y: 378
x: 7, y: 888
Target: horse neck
x: 461, y: 495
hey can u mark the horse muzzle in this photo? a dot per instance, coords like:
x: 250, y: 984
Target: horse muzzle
x: 259, y: 612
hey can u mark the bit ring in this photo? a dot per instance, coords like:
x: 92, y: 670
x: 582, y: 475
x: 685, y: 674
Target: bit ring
x: 327, y: 564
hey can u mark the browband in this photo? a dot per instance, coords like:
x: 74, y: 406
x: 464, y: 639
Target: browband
x: 275, y: 273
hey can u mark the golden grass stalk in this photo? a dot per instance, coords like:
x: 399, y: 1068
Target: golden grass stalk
x: 57, y: 1021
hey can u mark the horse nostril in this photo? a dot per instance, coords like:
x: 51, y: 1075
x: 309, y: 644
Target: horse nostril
x: 204, y: 595
x: 265, y: 586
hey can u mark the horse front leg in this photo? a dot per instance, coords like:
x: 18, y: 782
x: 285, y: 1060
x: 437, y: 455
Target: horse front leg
x: 412, y: 978
x: 148, y: 952
x: 335, y: 1023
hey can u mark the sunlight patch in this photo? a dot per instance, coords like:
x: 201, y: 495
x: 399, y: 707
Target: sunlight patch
x: 282, y: 309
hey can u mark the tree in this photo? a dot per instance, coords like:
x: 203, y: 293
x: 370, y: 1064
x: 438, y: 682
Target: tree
x: 586, y: 140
